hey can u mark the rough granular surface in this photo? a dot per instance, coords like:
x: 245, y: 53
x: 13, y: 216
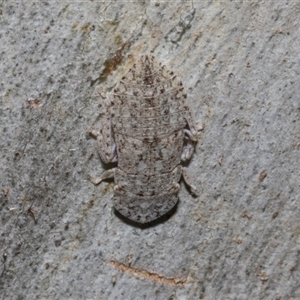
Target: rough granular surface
x: 148, y: 128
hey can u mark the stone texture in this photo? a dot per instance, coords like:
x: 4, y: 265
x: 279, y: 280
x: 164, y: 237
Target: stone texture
x: 59, y: 236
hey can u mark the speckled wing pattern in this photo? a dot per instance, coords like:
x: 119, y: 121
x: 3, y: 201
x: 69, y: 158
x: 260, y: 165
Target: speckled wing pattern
x: 148, y: 129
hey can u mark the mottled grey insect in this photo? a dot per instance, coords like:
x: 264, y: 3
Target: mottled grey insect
x: 148, y: 129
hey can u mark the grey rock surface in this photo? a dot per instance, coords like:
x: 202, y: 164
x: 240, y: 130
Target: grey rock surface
x: 60, y: 238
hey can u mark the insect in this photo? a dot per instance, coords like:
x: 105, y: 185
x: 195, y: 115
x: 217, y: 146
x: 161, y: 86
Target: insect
x: 148, y: 129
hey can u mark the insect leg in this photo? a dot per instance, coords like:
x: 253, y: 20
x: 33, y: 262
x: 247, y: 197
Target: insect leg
x: 189, y: 148
x: 187, y: 181
x: 105, y: 175
x: 193, y: 132
x: 106, y: 144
